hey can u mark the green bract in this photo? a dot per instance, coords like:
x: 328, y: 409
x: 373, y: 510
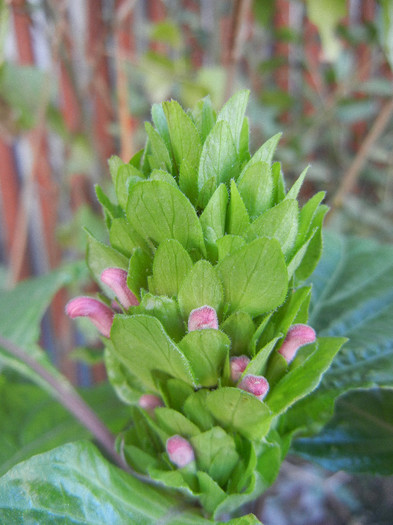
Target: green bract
x: 200, y: 223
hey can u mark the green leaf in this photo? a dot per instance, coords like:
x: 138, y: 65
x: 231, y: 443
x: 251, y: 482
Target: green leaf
x: 204, y: 117
x: 196, y: 410
x: 142, y: 345
x: 170, y: 265
x: 127, y: 176
x: 250, y: 519
x: 258, y: 363
x: 174, y: 422
x: 244, y: 148
x: 166, y: 310
x: 200, y: 287
x: 360, y: 436
x: 31, y: 422
x: 278, y: 183
x: 294, y: 191
x: 138, y: 272
x: 75, y: 484
x: 206, y: 350
x: 306, y: 216
x: 216, y: 454
x: 254, y: 277
x: 256, y: 188
x: 233, y: 114
x: 188, y: 181
x: 159, y: 211
x: 353, y: 297
x: 99, y: 256
x: 385, y: 29
x: 164, y: 176
x: 239, y: 327
x: 280, y: 222
x: 211, y: 493
x: 125, y: 384
x: 303, y: 379
x: 264, y: 153
x: 183, y: 134
x: 239, y: 411
x: 213, y: 220
x: 160, y: 158
x: 237, y: 218
x: 218, y: 161
x: 228, y: 245
x: 111, y: 210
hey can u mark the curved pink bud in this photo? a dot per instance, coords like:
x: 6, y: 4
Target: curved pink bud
x: 238, y: 365
x: 99, y: 313
x: 116, y: 279
x: 180, y: 451
x: 256, y: 385
x: 201, y: 318
x: 150, y: 402
x: 298, y: 335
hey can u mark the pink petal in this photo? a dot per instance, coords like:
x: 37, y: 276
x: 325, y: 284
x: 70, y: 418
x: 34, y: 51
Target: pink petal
x: 298, y: 335
x: 201, y: 318
x: 180, y: 451
x: 256, y: 385
x: 99, y: 313
x: 238, y: 365
x: 150, y: 402
x: 116, y: 279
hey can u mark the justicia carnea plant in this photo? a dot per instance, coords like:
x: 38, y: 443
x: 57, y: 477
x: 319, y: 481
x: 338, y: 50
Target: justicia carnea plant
x: 204, y: 311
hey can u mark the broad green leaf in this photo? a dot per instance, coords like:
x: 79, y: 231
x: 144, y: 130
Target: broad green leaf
x: 164, y: 176
x: 183, y: 134
x: 204, y: 117
x: 99, y: 256
x: 239, y: 411
x: 233, y: 113
x: 75, y: 484
x: 200, y: 287
x: 314, y: 248
x: 160, y: 122
x: 306, y: 216
x: 218, y: 161
x: 256, y: 188
x: 298, y: 256
x: 175, y: 392
x: 160, y: 158
x: 215, y: 453
x: 159, y: 211
x: 237, y: 217
x: 239, y: 327
x: 257, y: 364
x: 280, y: 222
x: 353, y: 297
x: 114, y: 163
x: 278, y: 183
x: 32, y: 422
x: 170, y: 265
x: 142, y: 344
x: 111, y: 211
x: 250, y: 519
x: 196, y: 410
x: 360, y: 436
x: 174, y: 422
x: 138, y: 271
x: 211, y: 493
x: 229, y: 244
x: 254, y: 277
x: 166, y: 310
x: 265, y: 152
x: 188, y: 181
x: 206, y: 350
x: 125, y: 384
x: 303, y: 379
x: 213, y: 220
x: 120, y: 238
x: 127, y: 176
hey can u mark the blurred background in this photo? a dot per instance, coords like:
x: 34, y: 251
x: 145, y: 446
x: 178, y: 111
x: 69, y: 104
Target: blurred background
x: 77, y: 79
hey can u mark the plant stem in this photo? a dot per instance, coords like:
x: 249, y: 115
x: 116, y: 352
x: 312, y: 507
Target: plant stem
x: 70, y: 399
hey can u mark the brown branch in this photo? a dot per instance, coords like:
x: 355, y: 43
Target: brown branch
x: 350, y: 177
x: 70, y: 399
x: 240, y: 10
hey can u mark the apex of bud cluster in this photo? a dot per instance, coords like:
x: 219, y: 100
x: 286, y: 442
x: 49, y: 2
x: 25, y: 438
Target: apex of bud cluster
x: 180, y: 451
x: 116, y: 279
x: 201, y: 318
x: 238, y: 365
x: 256, y: 385
x: 99, y: 313
x: 150, y: 402
x: 298, y: 335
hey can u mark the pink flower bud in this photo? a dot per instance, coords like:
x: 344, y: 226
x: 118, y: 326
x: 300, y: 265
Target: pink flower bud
x: 203, y: 317
x: 256, y: 385
x: 298, y: 335
x: 180, y: 451
x: 116, y: 279
x: 238, y: 365
x: 150, y: 402
x: 99, y: 313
